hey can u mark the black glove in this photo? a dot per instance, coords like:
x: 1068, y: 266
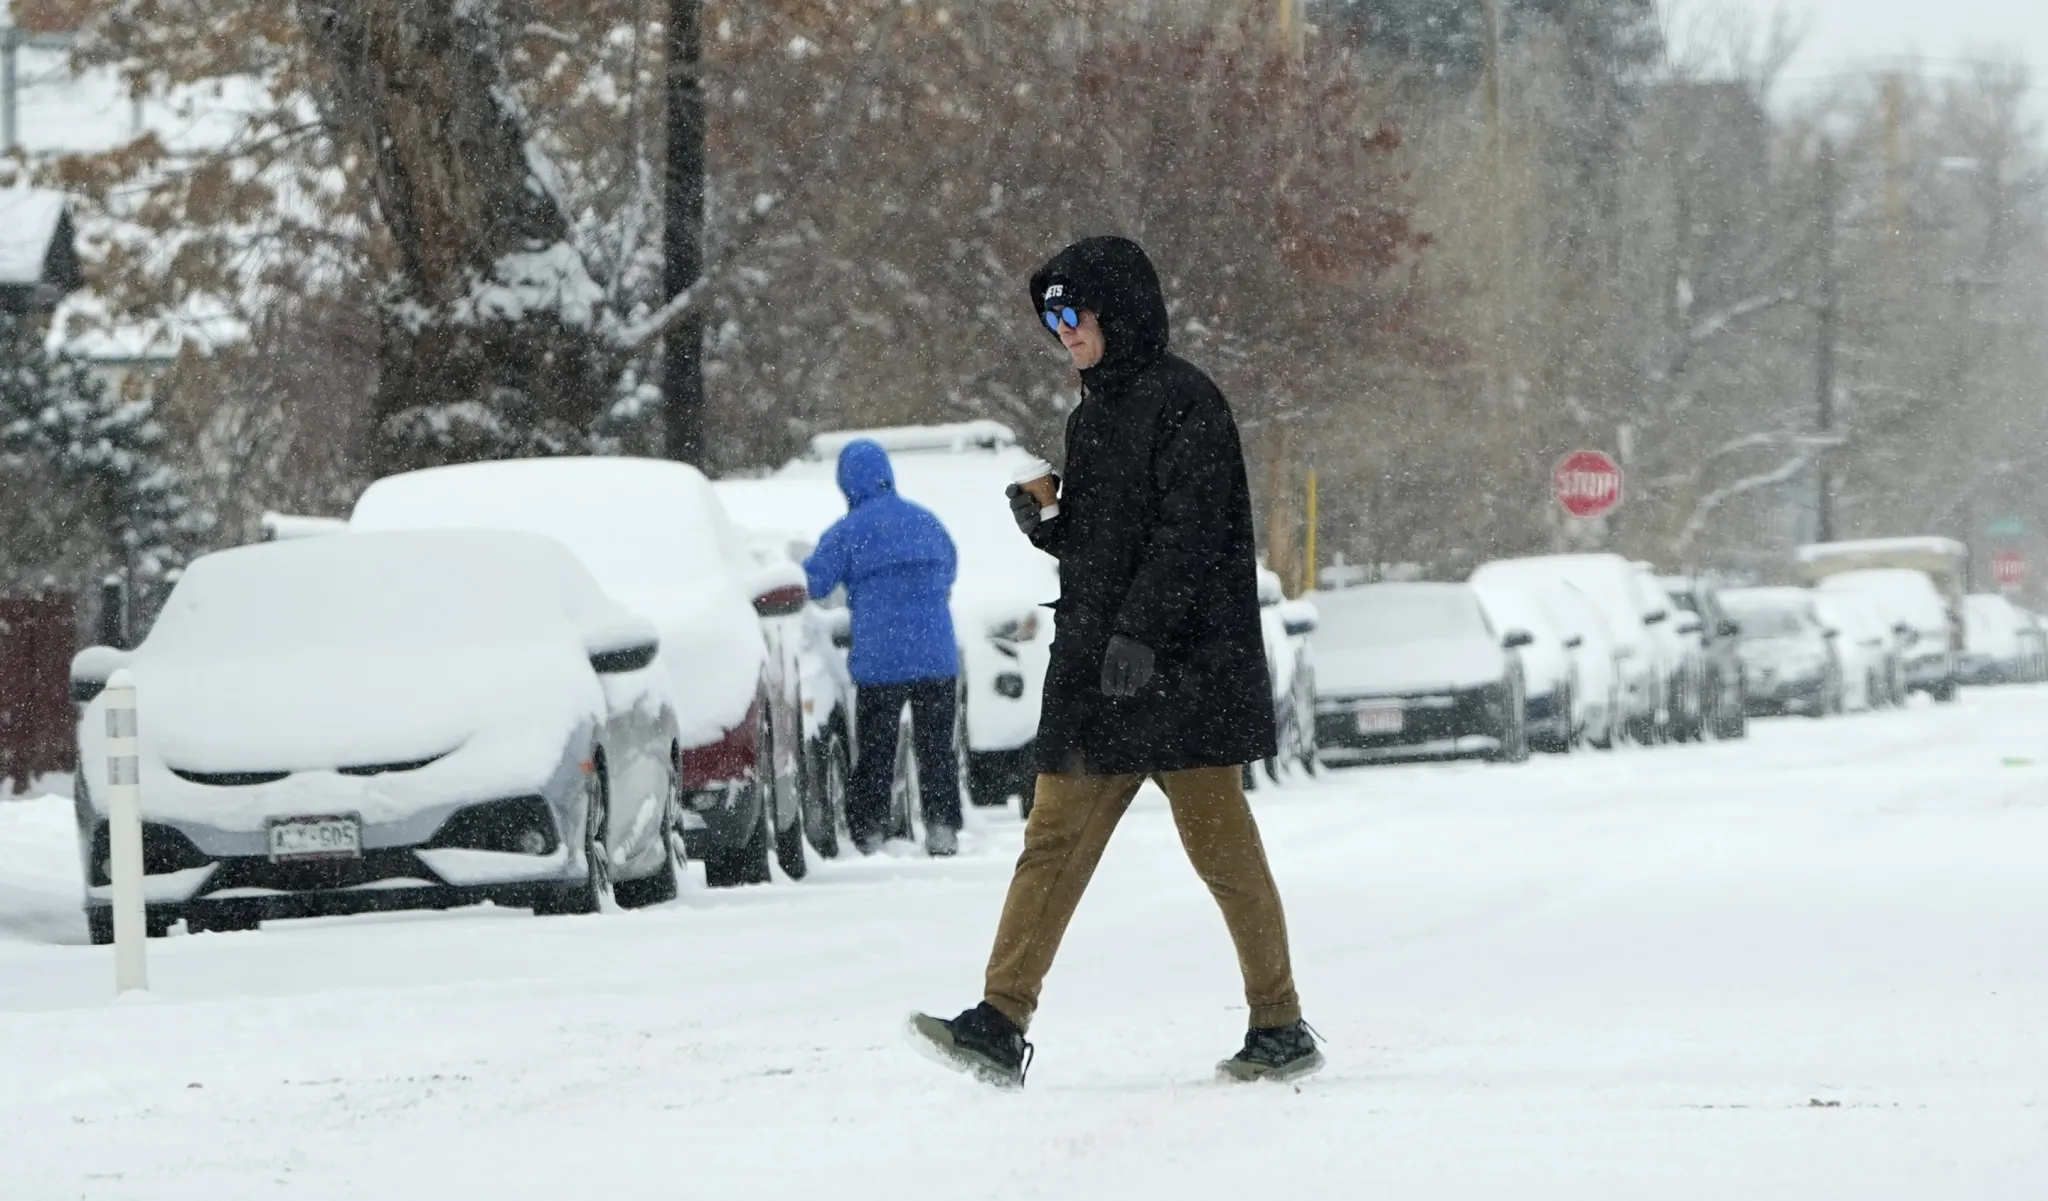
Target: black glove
x: 1024, y: 508
x: 1126, y: 667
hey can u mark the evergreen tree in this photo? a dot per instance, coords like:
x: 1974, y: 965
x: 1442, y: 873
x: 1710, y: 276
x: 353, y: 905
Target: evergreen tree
x: 117, y: 497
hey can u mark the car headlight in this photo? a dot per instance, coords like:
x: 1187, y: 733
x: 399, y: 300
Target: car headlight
x: 1020, y: 629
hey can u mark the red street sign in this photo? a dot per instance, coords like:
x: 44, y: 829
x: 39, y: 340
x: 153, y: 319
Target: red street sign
x: 2008, y: 569
x: 1587, y: 484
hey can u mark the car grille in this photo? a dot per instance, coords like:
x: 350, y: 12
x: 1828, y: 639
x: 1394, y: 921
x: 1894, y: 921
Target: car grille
x: 1431, y: 718
x: 319, y: 874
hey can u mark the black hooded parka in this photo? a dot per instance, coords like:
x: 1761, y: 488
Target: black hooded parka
x: 1154, y: 539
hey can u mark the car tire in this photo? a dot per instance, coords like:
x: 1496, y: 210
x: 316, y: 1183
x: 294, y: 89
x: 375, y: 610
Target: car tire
x: 1514, y: 736
x: 732, y: 867
x: 661, y: 887
x: 1944, y: 693
x: 789, y: 851
x: 99, y: 926
x: 213, y: 925
x: 587, y: 896
x: 826, y: 772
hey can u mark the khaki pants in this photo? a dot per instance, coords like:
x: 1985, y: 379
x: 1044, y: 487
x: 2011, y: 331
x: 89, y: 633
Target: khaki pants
x: 1071, y: 820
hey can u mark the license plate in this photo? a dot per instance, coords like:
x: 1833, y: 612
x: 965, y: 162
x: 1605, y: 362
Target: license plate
x: 303, y: 838
x: 1381, y: 719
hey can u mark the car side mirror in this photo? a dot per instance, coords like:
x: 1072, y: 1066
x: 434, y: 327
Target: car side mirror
x: 1831, y: 634
x: 1574, y: 642
x: 1690, y: 625
x: 779, y: 589
x: 625, y: 642
x: 1299, y: 618
x: 1729, y: 628
x: 1656, y: 618
x: 91, y: 668
x: 1517, y: 639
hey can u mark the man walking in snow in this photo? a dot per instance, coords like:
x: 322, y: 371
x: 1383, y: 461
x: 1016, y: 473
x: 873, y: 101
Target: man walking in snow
x: 1158, y: 668
x: 897, y: 563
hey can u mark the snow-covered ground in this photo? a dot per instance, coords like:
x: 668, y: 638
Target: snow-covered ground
x: 1809, y: 966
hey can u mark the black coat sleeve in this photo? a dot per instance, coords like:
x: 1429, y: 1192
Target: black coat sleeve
x: 1193, y: 476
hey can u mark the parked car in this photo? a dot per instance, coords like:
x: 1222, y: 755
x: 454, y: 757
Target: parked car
x: 1610, y: 582
x: 1919, y: 582
x: 1415, y: 671
x: 1598, y: 694
x: 1680, y: 638
x: 1994, y: 641
x: 659, y: 542
x: 1863, y: 646
x: 1550, y: 673
x: 1722, y: 681
x: 387, y: 721
x: 2033, y: 647
x: 1864, y: 619
x: 1290, y: 665
x: 1001, y: 599
x: 1786, y: 653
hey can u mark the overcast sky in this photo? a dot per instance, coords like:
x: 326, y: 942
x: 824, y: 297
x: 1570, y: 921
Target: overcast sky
x: 1849, y: 33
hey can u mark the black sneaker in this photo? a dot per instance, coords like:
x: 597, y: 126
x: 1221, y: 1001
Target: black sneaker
x: 981, y: 1042
x: 1279, y: 1053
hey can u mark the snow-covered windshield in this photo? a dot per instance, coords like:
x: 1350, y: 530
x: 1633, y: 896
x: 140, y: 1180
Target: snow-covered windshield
x: 423, y: 590
x: 1389, y: 615
x: 1763, y: 619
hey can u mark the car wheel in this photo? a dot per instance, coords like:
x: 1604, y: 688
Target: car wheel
x: 1945, y: 692
x: 99, y: 926
x: 731, y: 867
x: 825, y: 776
x: 661, y: 886
x: 588, y: 895
x: 195, y: 924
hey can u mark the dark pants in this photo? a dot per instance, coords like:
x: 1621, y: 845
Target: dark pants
x: 878, y: 707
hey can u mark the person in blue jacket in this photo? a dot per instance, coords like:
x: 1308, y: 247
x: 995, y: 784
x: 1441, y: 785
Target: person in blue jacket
x: 897, y: 564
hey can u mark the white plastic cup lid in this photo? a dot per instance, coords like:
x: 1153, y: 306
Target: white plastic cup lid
x: 1035, y: 469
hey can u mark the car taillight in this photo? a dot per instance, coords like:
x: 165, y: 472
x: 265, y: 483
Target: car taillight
x: 732, y: 757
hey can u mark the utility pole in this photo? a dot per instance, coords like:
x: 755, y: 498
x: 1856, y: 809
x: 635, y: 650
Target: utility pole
x: 1824, y: 398
x: 682, y: 372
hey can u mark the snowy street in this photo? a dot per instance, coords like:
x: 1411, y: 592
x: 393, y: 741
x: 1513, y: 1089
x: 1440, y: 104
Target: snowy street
x: 1810, y: 966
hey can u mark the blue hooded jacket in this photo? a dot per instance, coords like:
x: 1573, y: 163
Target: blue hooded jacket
x: 898, y: 564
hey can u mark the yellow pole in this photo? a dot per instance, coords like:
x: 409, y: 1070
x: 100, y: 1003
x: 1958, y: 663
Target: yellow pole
x: 1310, y: 550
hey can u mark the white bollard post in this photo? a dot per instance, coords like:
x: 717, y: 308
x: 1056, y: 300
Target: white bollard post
x: 124, y: 835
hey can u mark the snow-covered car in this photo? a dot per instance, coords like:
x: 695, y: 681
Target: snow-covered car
x: 1415, y: 671
x: 2033, y: 646
x: 1550, y: 672
x: 1786, y: 656
x: 1865, y: 648
x: 1001, y: 596
x: 657, y: 539
x: 1286, y: 626
x: 1680, y: 638
x: 1994, y: 650
x: 1910, y: 598
x: 387, y: 721
x: 1611, y: 583
x: 1722, y: 681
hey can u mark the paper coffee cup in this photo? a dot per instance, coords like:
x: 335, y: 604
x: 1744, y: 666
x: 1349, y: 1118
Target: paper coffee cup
x: 1035, y: 477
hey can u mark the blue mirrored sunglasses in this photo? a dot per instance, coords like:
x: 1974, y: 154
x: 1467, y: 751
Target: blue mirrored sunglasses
x: 1054, y: 318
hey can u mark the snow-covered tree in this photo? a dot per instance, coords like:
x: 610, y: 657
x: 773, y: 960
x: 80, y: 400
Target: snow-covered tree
x: 93, y: 479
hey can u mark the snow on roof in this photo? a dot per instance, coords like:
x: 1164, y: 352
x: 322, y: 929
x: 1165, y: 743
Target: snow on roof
x: 1828, y: 552
x: 954, y: 437
x: 61, y: 111
x: 82, y: 325
x: 28, y: 224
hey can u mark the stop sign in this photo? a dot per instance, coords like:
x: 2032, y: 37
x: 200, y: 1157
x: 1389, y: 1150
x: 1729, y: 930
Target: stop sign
x: 2008, y: 568
x: 1587, y: 483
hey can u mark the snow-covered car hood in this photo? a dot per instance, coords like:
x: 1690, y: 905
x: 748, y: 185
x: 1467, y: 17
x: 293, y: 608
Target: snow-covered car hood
x: 1407, y: 667
x: 334, y: 708
x: 1782, y: 653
